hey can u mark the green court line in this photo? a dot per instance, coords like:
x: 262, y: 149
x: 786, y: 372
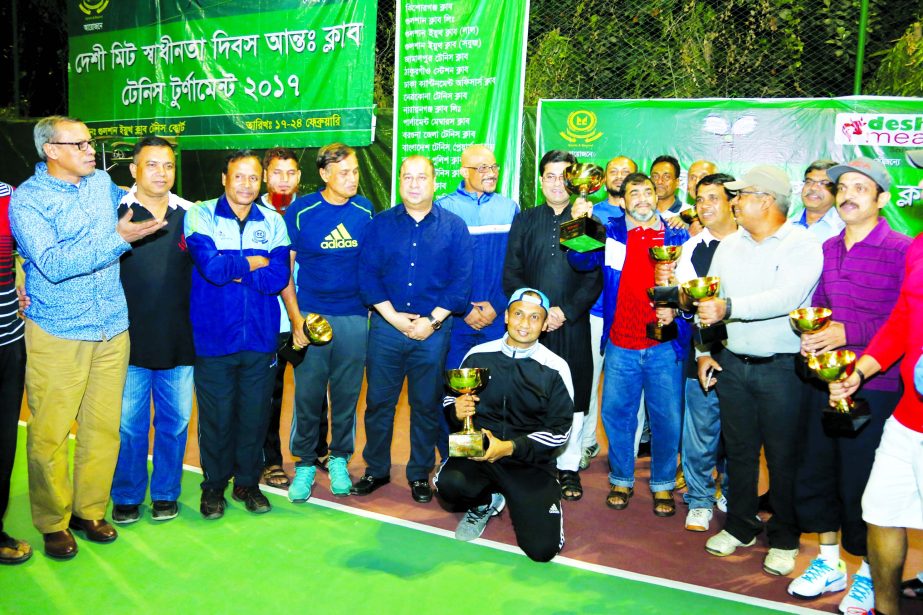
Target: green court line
x: 305, y: 558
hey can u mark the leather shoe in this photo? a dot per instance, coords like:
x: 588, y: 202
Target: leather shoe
x: 95, y: 531
x: 421, y: 491
x: 60, y: 545
x: 368, y: 483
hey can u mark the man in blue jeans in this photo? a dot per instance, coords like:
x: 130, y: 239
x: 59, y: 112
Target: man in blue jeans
x: 156, y: 276
x: 415, y: 271
x: 635, y: 363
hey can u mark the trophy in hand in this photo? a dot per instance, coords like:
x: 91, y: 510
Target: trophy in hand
x: 318, y: 331
x: 469, y: 442
x: 689, y: 215
x: 809, y: 320
x: 849, y: 415
x: 583, y: 234
x: 705, y: 289
x: 664, y: 296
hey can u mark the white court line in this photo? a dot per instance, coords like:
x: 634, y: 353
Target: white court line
x: 564, y: 561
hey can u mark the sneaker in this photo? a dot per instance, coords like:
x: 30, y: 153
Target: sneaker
x: 212, y: 504
x: 475, y: 520
x: 780, y: 562
x: 697, y: 519
x: 340, y: 482
x: 123, y: 514
x: 588, y: 454
x: 164, y: 510
x: 253, y: 499
x: 860, y: 598
x: 722, y: 504
x: 723, y: 544
x: 819, y: 578
x: 300, y: 489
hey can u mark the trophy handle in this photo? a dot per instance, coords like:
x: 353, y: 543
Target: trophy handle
x: 468, y: 425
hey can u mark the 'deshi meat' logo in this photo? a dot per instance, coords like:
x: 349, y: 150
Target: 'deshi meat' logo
x: 853, y: 128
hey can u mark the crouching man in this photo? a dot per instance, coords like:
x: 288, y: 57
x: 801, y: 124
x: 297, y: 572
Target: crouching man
x: 526, y: 411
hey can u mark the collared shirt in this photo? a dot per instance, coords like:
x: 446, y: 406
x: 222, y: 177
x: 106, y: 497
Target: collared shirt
x: 417, y: 266
x: 66, y: 233
x: 697, y: 251
x: 173, y: 201
x: 828, y: 226
x: 676, y: 207
x: 766, y: 281
x: 861, y: 286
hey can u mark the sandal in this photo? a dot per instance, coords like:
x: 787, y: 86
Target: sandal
x: 275, y: 476
x: 664, y: 505
x: 912, y: 589
x: 571, y: 489
x: 13, y: 551
x: 618, y: 497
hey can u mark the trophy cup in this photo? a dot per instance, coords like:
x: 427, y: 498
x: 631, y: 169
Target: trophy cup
x: 664, y: 296
x: 319, y: 332
x: 849, y: 415
x: 583, y: 234
x: 704, y: 289
x: 469, y: 442
x: 689, y: 215
x: 808, y: 320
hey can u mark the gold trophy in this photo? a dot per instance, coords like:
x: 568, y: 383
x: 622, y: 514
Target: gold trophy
x: 689, y: 215
x: 469, y: 442
x: 849, y: 415
x: 664, y: 296
x: 808, y: 320
x: 319, y: 332
x: 705, y: 289
x: 583, y: 234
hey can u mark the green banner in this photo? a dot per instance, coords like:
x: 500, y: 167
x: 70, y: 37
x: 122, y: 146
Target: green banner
x: 220, y: 74
x: 737, y: 134
x: 458, y: 81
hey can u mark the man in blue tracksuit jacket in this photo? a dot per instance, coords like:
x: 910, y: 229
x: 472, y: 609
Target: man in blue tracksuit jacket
x: 241, y: 254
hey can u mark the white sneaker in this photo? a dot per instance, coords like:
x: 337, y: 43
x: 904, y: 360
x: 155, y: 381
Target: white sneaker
x: 697, y: 519
x: 819, y: 578
x: 860, y: 598
x: 475, y: 520
x: 723, y: 544
x: 780, y: 562
x: 722, y: 504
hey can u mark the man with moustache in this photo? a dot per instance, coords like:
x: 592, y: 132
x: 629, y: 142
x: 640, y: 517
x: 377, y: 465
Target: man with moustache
x: 701, y: 437
x: 415, y: 271
x: 535, y: 259
x: 818, y: 195
x: 617, y: 170
x: 488, y: 215
x: 635, y: 363
x: 63, y: 219
x: 241, y: 254
x: 327, y: 229
x: 157, y: 278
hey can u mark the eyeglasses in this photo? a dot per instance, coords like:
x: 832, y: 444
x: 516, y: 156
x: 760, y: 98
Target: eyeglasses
x: 485, y: 168
x: 81, y: 145
x: 553, y: 179
x: 818, y: 182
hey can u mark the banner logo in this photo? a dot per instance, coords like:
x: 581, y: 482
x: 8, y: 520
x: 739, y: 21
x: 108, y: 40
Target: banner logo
x: 581, y: 126
x: 895, y: 129
x: 89, y: 7
x: 719, y: 126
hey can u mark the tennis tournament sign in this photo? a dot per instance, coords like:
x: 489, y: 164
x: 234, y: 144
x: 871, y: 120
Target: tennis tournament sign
x: 458, y: 81
x: 220, y: 74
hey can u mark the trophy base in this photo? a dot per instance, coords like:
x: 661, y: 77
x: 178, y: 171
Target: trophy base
x: 665, y: 333
x: 846, y: 423
x: 583, y: 234
x: 664, y: 296
x: 462, y: 444
x: 706, y: 337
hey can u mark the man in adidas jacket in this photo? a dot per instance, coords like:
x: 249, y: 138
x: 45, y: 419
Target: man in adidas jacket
x: 526, y: 412
x: 241, y: 254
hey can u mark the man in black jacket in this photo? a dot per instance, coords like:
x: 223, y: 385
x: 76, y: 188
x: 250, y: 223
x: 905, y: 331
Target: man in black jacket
x: 526, y: 412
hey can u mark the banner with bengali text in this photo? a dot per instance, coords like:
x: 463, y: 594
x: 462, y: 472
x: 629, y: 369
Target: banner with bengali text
x: 740, y: 133
x: 459, y: 81
x: 222, y: 75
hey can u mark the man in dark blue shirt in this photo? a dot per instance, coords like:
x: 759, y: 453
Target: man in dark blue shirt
x: 415, y: 271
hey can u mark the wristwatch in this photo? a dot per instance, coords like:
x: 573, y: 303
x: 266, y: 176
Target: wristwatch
x: 435, y: 324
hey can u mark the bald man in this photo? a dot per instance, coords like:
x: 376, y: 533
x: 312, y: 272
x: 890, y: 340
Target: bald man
x: 698, y: 170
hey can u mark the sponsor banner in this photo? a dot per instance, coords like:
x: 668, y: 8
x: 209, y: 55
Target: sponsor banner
x: 459, y: 81
x: 740, y: 133
x: 225, y: 75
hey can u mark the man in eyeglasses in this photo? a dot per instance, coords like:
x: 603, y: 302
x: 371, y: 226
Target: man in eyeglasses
x: 818, y: 195
x: 63, y: 219
x: 488, y: 216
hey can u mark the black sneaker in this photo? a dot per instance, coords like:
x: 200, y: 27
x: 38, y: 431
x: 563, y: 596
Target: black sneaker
x: 162, y: 510
x: 212, y: 504
x: 123, y: 514
x: 253, y: 499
